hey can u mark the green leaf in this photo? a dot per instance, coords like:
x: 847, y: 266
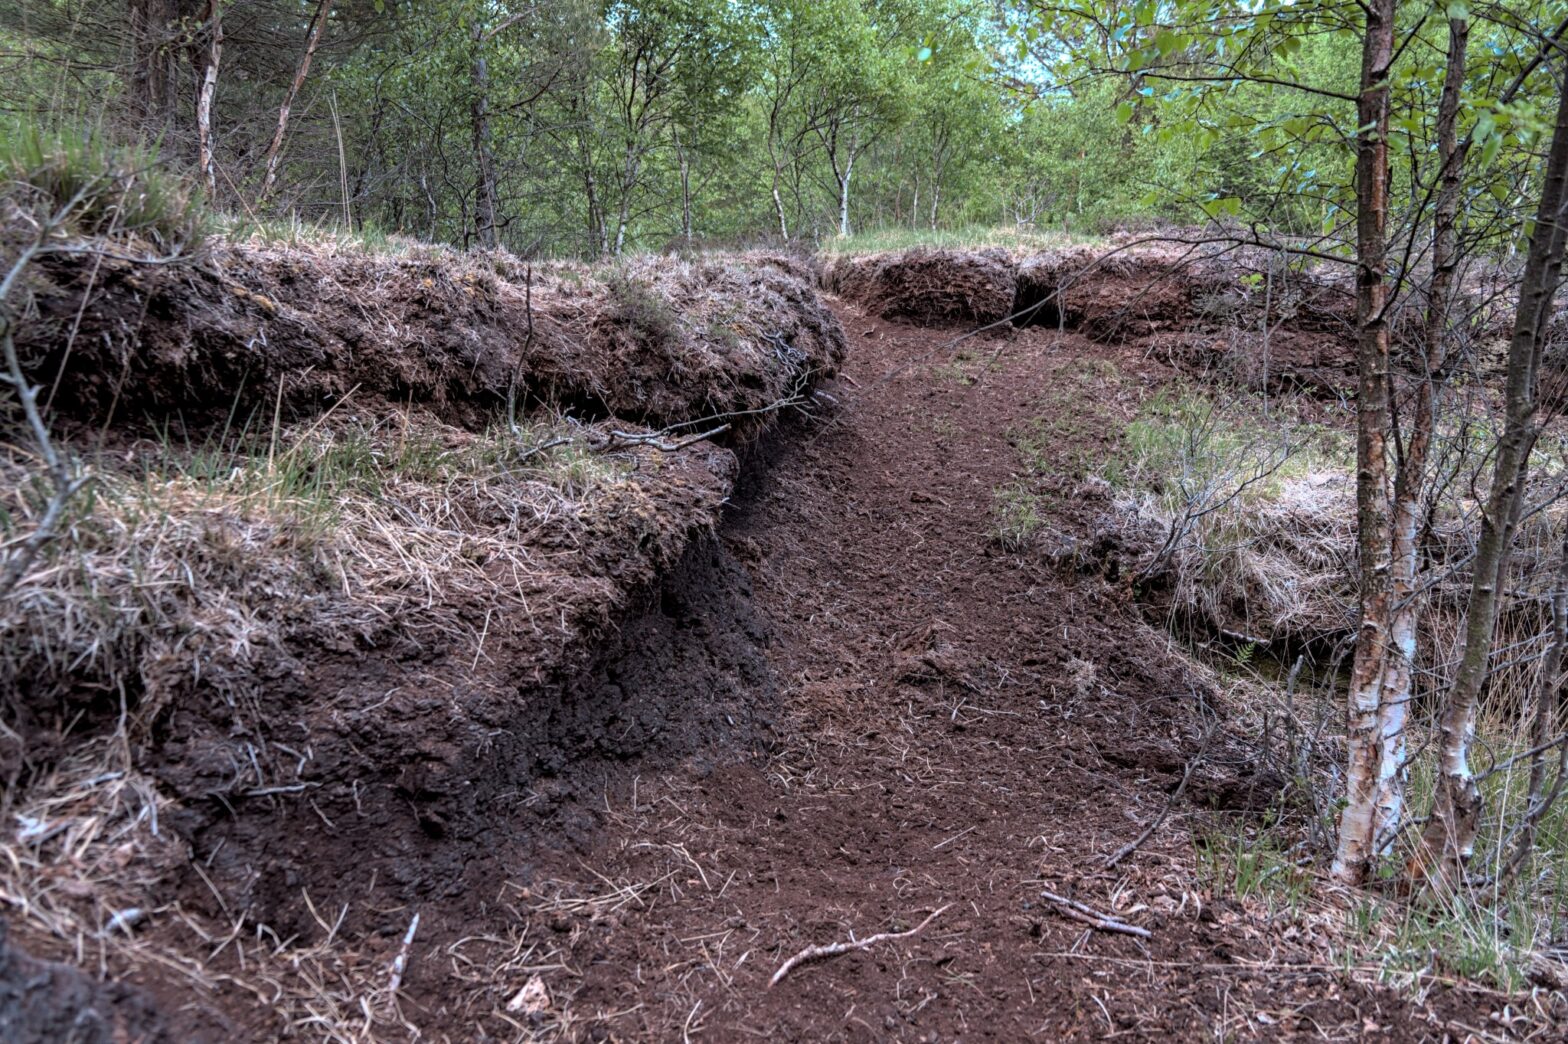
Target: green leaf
x: 1124, y: 112
x: 1489, y: 151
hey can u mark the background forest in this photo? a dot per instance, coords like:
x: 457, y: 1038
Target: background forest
x: 585, y: 129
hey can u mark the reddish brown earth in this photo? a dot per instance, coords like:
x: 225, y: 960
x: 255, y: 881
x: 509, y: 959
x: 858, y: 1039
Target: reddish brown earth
x: 853, y: 713
x: 943, y: 747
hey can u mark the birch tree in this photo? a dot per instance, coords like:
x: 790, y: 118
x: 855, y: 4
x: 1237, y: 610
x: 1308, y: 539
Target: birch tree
x: 1189, y: 64
x: 1449, y: 838
x: 856, y: 92
x: 318, y: 25
x: 206, y: 161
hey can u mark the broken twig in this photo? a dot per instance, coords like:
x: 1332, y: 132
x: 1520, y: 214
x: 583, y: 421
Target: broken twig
x: 657, y: 439
x: 400, y: 964
x: 1094, y: 918
x: 812, y: 953
x: 1132, y: 846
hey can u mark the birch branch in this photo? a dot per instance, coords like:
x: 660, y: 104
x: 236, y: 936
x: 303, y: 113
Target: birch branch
x: 1093, y: 918
x: 815, y: 953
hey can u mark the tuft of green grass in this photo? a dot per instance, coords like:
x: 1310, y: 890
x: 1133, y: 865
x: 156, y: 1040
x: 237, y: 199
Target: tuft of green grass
x: 309, y: 476
x: 1183, y: 440
x: 1254, y: 865
x: 1017, y: 517
x: 293, y: 231
x: 1411, y: 941
x: 105, y: 189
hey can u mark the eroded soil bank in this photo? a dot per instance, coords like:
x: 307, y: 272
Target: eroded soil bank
x: 849, y: 709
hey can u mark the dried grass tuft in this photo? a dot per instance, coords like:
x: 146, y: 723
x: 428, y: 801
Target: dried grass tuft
x: 215, y: 570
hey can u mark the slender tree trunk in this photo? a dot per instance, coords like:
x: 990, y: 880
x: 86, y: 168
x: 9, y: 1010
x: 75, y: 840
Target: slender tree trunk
x: 622, y: 219
x: 430, y: 205
x: 484, y: 157
x: 773, y: 157
x: 209, y: 92
x: 778, y: 207
x: 598, y: 230
x: 629, y: 176
x: 686, y: 216
x: 155, y: 69
x: 778, y: 200
x: 1373, y: 779
x: 337, y: 132
x: 938, y: 165
x: 318, y: 24
x: 1449, y: 837
x: 843, y: 195
x: 1411, y: 485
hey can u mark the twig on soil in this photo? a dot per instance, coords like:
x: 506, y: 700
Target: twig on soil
x: 657, y: 441
x: 1094, y: 918
x: 66, y: 485
x: 400, y: 963
x: 548, y: 444
x: 813, y: 953
x: 1132, y: 846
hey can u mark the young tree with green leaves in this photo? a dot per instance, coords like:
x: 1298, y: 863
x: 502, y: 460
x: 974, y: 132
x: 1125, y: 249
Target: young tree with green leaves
x: 1361, y: 149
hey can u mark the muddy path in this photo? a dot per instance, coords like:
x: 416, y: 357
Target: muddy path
x: 962, y: 727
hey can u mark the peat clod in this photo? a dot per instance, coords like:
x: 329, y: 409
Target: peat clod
x: 249, y: 331
x: 930, y: 287
x: 43, y: 1001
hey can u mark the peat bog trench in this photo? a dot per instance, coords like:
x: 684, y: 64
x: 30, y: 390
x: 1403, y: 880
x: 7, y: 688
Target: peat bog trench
x: 944, y: 704
x: 963, y: 730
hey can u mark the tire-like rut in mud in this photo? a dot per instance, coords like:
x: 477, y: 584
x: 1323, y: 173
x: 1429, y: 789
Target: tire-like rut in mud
x: 962, y: 728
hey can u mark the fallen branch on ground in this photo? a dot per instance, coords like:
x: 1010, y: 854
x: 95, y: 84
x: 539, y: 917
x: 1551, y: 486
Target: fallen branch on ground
x: 1094, y: 918
x: 812, y: 953
x: 657, y: 440
x: 1132, y: 846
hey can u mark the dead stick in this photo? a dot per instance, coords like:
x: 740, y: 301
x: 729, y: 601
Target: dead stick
x: 656, y: 439
x: 1132, y: 846
x: 812, y: 953
x: 400, y: 964
x: 1094, y: 918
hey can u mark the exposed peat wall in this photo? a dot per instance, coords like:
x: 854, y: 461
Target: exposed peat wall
x: 457, y: 566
